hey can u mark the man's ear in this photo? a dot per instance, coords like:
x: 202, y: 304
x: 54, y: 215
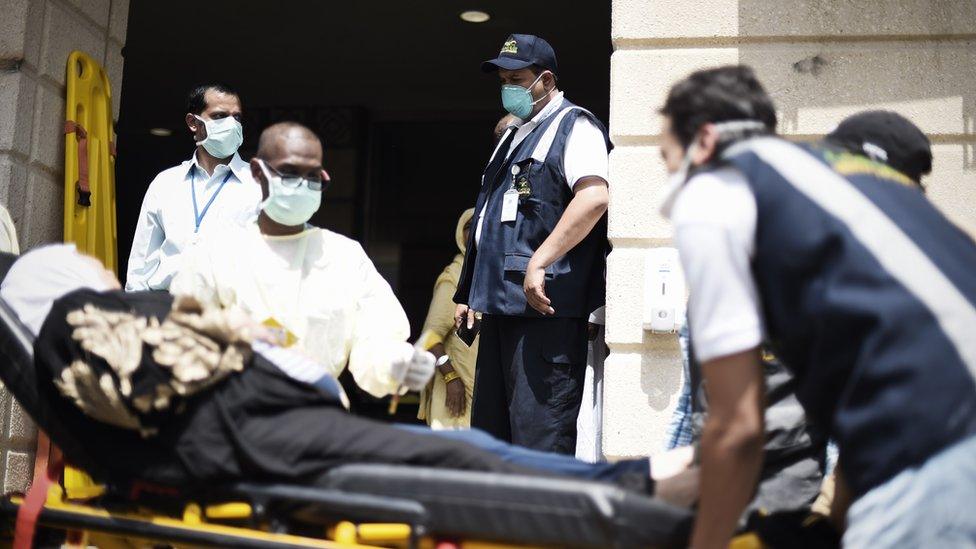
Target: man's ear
x: 258, y: 174
x: 548, y: 80
x: 256, y: 171
x: 192, y: 123
x: 707, y: 142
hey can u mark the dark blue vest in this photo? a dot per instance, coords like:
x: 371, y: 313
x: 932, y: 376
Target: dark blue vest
x: 846, y: 266
x: 494, y: 270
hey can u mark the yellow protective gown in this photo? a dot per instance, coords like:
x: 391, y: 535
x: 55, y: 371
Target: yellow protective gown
x: 320, y: 286
x: 439, y: 328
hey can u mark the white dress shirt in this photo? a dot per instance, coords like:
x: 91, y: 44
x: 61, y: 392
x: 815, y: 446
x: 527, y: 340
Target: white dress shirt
x: 8, y: 233
x: 586, y: 150
x: 167, y: 222
x: 317, y: 284
x: 714, y: 217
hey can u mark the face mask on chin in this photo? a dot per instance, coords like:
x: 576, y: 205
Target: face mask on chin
x: 518, y: 100
x: 289, y: 206
x: 728, y: 131
x: 224, y: 136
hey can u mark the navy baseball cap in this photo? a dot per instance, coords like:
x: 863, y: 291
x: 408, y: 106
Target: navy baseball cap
x: 520, y: 51
x: 887, y: 137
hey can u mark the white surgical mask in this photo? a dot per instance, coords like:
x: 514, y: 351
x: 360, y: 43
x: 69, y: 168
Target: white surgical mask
x: 224, y: 136
x: 289, y: 206
x: 725, y: 130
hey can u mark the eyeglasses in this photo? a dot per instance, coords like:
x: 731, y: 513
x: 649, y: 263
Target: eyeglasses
x: 295, y: 181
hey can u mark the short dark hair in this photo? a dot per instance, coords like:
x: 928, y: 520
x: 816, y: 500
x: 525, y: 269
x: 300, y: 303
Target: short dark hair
x: 716, y: 95
x: 196, y: 100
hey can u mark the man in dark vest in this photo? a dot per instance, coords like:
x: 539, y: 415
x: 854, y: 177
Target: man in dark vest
x: 861, y: 287
x: 535, y: 262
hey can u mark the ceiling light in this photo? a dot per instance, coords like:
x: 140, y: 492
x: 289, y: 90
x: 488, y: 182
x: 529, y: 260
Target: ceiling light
x: 161, y: 132
x: 474, y: 16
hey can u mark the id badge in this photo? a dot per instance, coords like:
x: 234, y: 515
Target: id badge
x: 510, y: 205
x: 283, y: 336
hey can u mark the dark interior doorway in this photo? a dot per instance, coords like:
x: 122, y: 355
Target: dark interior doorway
x: 394, y: 88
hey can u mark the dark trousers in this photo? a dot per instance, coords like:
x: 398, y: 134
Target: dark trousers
x: 529, y: 380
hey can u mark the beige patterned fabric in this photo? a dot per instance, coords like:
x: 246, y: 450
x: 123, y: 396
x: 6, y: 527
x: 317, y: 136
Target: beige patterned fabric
x: 198, y: 346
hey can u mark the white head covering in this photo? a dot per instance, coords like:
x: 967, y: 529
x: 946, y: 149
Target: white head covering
x: 44, y: 274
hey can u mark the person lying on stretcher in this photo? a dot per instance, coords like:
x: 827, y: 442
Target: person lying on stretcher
x: 167, y: 390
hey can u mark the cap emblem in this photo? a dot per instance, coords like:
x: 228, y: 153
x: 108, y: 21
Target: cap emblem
x: 510, y: 47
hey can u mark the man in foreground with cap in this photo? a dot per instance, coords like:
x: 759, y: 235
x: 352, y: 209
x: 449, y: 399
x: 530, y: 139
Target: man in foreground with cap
x: 535, y: 263
x: 214, y: 187
x: 866, y: 292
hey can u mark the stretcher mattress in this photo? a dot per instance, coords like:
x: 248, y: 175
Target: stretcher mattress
x: 468, y: 505
x: 548, y: 511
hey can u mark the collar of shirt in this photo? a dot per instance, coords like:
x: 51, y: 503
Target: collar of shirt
x: 236, y: 165
x: 551, y: 107
x: 527, y: 127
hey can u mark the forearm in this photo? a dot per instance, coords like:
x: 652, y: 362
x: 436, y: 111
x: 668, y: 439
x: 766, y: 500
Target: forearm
x: 731, y: 445
x: 582, y: 214
x: 730, y: 468
x: 371, y: 366
x: 439, y: 351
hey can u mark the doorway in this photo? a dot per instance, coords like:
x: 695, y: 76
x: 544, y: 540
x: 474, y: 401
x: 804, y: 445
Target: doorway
x: 394, y: 89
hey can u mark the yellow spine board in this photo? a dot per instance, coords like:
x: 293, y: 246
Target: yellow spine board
x: 89, y: 104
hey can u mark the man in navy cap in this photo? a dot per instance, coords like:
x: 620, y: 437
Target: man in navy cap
x: 535, y: 262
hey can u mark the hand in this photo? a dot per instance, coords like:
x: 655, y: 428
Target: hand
x: 413, y: 368
x: 535, y: 289
x: 456, y: 400
x: 461, y: 313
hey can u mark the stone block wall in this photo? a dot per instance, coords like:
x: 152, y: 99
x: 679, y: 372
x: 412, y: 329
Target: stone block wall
x: 821, y: 60
x: 36, y: 37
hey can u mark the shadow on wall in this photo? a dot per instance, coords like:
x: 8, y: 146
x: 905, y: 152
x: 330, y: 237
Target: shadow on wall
x: 661, y: 385
x: 862, y: 65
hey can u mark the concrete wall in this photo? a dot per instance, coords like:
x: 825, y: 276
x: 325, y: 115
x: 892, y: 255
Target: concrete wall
x: 821, y: 60
x: 36, y: 37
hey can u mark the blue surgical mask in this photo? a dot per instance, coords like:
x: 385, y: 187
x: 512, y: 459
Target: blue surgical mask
x: 287, y: 205
x: 224, y: 136
x: 518, y: 100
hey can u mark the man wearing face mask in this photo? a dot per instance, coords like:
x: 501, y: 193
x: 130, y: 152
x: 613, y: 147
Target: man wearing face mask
x: 212, y: 189
x: 534, y: 264
x: 865, y: 291
x: 316, y: 289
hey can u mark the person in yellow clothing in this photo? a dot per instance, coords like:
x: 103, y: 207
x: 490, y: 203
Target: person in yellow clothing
x: 317, y: 290
x: 445, y: 403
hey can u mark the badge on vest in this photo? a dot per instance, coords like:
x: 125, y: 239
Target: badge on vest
x: 520, y: 178
x: 510, y: 202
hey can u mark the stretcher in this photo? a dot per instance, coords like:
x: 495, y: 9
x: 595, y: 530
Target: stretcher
x: 360, y: 505
x: 89, y: 161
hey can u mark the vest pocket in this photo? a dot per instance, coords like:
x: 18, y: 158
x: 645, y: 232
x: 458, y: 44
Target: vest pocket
x: 518, y: 263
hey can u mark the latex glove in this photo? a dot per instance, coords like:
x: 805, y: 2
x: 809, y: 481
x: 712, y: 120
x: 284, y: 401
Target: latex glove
x: 412, y: 367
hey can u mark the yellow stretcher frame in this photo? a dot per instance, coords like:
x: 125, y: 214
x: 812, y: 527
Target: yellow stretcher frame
x: 202, y: 526
x: 216, y: 525
x: 89, y: 221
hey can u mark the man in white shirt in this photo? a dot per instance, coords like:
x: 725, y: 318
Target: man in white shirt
x: 8, y: 233
x: 865, y: 291
x: 535, y: 265
x: 318, y: 290
x: 212, y: 189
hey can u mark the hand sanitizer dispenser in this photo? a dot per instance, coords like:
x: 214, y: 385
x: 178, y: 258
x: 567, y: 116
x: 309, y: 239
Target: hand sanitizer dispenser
x: 664, y: 291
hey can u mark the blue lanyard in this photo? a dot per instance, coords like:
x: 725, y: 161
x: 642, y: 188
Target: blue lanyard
x: 197, y: 215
